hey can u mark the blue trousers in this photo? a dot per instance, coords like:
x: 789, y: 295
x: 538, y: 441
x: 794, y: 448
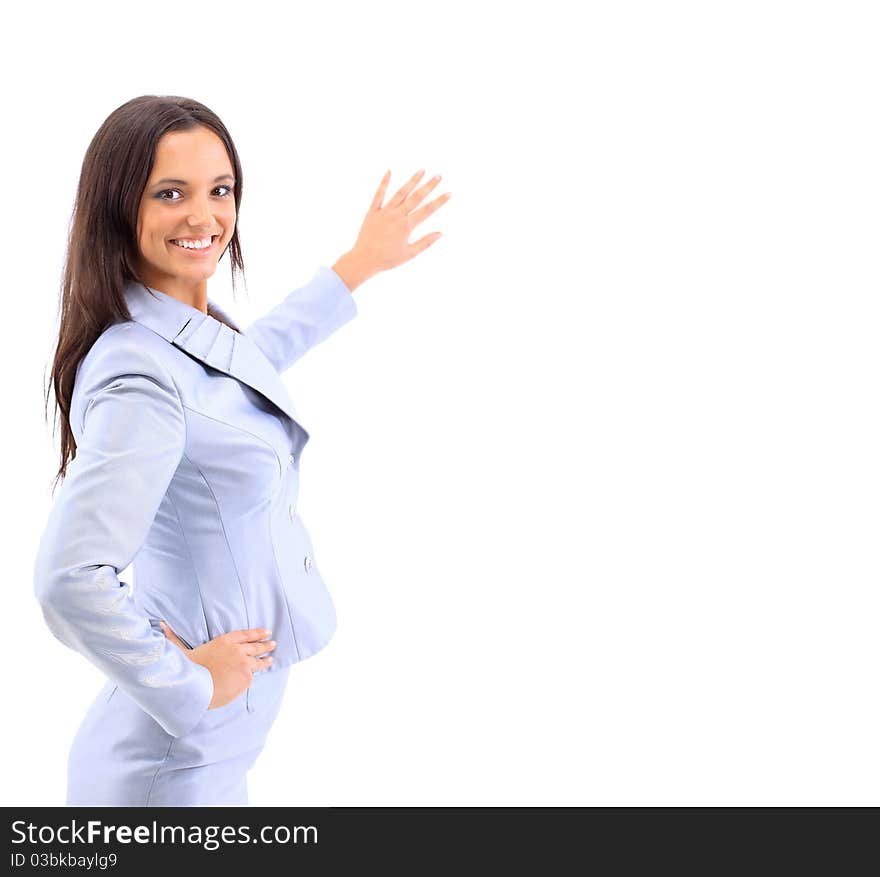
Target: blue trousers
x: 122, y: 757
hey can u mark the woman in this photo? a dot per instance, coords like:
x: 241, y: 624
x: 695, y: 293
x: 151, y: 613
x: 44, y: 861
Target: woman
x: 184, y: 452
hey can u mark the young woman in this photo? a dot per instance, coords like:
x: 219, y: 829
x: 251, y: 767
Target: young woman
x: 184, y: 452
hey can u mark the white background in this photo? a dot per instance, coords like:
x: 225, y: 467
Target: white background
x: 593, y: 481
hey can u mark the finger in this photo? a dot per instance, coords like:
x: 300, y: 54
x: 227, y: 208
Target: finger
x: 404, y: 190
x: 260, y: 648
x: 424, y: 212
x: 250, y: 635
x: 419, y: 194
x: 380, y: 192
x: 170, y: 634
x: 423, y: 244
x: 257, y: 664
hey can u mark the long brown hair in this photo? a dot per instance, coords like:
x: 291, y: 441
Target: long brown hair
x: 102, y: 248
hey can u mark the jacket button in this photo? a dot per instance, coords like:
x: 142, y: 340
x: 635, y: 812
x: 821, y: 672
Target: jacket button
x: 290, y: 459
x: 290, y: 511
x: 308, y: 563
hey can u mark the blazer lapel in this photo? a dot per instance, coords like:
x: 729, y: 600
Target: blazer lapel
x: 211, y: 341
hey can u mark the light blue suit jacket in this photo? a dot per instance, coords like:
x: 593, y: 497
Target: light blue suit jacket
x: 187, y: 464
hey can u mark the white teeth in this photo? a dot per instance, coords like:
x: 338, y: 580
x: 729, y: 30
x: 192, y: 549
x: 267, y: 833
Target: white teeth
x: 194, y: 245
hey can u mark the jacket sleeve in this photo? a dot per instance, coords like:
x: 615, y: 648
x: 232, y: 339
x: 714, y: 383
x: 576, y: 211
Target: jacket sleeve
x: 131, y: 437
x: 304, y: 318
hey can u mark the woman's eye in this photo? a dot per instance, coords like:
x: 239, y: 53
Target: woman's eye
x: 165, y: 192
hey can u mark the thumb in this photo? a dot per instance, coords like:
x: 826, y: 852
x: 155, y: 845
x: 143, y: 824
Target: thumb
x: 172, y: 636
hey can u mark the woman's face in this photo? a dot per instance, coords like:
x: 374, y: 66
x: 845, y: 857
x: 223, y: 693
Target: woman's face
x: 189, y: 196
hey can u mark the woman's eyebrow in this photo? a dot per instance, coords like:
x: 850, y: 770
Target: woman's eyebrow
x: 184, y: 182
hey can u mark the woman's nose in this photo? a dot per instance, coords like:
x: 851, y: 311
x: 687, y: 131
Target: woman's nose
x: 201, y: 217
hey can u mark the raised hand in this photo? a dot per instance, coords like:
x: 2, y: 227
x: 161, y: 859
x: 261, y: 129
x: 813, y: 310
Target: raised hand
x: 232, y: 658
x: 383, y: 241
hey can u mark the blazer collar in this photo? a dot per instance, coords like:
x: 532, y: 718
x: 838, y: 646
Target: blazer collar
x: 211, y: 341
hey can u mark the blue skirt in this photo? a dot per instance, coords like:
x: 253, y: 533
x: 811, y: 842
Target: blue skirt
x: 122, y: 757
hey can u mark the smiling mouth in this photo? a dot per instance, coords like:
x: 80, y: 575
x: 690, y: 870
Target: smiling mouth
x: 195, y: 250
